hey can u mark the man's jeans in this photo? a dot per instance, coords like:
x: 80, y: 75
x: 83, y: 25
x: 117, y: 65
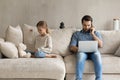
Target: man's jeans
x: 95, y: 57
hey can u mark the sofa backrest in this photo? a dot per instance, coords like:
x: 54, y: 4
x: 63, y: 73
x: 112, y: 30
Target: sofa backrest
x: 61, y: 39
x: 111, y: 41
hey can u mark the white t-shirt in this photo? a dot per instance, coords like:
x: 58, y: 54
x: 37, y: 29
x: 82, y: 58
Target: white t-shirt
x: 44, y: 43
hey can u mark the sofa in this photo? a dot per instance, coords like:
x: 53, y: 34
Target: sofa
x: 62, y: 67
x: 110, y: 59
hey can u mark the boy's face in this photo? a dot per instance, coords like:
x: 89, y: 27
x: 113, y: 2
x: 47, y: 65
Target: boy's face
x: 86, y: 25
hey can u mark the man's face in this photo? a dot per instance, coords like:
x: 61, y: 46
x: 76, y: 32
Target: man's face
x: 86, y: 25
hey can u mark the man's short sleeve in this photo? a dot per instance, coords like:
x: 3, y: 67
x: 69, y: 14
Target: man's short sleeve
x: 74, y: 40
x: 98, y: 35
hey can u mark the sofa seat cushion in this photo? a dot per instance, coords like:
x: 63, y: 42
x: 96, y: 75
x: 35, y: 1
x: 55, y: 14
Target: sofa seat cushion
x: 51, y: 68
x: 110, y: 64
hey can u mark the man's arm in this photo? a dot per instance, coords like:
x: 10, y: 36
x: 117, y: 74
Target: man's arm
x: 72, y: 47
x: 100, y: 42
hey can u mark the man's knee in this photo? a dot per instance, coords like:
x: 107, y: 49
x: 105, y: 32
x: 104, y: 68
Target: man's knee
x: 81, y: 56
x: 97, y: 56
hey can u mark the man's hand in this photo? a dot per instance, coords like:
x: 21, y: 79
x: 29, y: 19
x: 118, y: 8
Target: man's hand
x: 92, y: 30
x: 74, y: 49
x: 95, y: 37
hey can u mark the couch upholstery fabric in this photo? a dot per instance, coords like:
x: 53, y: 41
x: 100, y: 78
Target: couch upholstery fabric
x: 51, y: 68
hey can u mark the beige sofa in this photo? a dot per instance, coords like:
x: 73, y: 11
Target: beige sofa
x: 110, y: 62
x: 30, y: 68
x: 64, y: 64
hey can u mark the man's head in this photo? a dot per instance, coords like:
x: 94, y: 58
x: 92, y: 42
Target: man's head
x: 87, y: 22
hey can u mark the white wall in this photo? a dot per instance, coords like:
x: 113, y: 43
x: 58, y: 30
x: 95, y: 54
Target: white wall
x: 13, y: 12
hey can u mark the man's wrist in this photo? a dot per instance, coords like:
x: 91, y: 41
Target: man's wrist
x: 93, y: 34
x: 74, y: 49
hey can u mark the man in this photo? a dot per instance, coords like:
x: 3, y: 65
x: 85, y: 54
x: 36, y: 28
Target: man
x: 86, y: 34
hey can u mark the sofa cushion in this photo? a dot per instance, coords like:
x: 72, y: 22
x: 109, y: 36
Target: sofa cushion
x: 1, y: 40
x: 110, y: 64
x: 61, y: 39
x: 29, y: 34
x: 111, y: 41
x: 9, y: 50
x: 14, y: 35
x: 51, y: 68
x: 117, y: 53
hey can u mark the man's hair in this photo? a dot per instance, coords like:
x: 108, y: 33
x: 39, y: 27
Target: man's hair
x: 87, y: 18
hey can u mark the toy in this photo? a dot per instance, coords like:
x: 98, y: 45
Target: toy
x: 21, y: 50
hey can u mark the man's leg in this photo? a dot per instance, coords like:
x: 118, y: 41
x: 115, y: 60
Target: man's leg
x: 81, y: 58
x: 96, y: 58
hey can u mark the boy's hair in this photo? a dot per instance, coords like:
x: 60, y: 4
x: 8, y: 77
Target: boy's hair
x: 87, y: 18
x: 43, y: 24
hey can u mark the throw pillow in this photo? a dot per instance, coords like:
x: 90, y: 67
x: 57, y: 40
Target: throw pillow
x: 14, y: 35
x: 9, y: 50
x: 117, y: 53
x: 29, y: 34
x: 1, y: 40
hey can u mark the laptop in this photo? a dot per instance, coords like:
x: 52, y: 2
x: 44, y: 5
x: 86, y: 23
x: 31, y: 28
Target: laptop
x: 87, y: 46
